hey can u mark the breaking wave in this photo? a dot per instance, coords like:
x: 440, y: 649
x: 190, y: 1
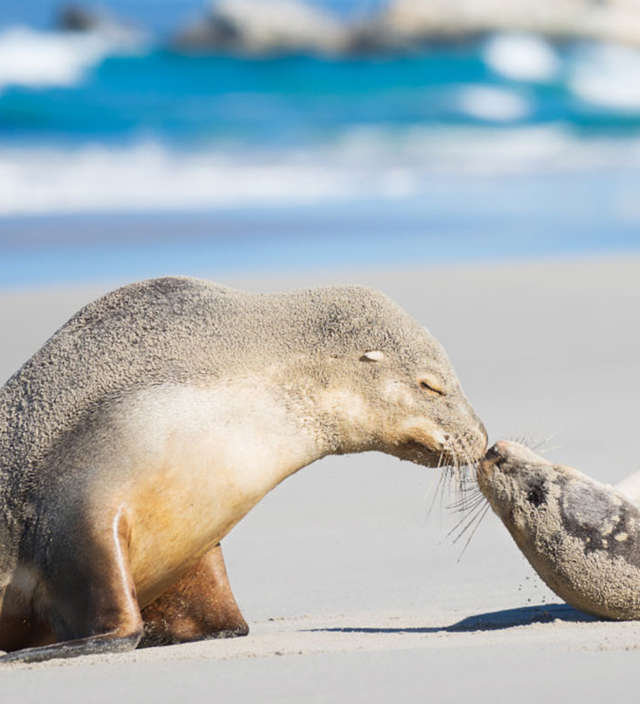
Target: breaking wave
x: 41, y: 59
x: 366, y: 163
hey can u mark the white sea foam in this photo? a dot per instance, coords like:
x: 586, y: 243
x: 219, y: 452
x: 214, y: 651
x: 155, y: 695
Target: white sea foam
x: 365, y: 164
x: 522, y: 57
x: 608, y: 76
x: 492, y: 104
x: 40, y: 59
x: 150, y: 176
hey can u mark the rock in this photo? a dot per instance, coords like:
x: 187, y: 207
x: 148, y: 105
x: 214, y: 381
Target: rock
x: 264, y: 27
x: 75, y: 18
x: 411, y: 22
x: 258, y: 27
x: 86, y: 20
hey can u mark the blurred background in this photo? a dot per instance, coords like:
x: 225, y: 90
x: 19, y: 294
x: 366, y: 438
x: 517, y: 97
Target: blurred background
x: 252, y: 137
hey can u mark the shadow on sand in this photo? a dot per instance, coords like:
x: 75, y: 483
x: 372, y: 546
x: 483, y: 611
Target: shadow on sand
x: 491, y: 621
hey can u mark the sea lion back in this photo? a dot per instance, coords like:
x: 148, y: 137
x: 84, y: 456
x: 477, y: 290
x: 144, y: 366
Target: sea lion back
x: 139, y: 335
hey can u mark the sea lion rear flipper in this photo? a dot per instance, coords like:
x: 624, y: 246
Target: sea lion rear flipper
x: 200, y: 605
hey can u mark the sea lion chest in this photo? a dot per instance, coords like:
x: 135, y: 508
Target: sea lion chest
x: 185, y: 464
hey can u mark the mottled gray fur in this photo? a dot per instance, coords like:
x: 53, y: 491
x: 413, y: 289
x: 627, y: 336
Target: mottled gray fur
x: 581, y: 536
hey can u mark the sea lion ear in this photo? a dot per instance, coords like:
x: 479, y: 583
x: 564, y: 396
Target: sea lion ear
x: 372, y: 356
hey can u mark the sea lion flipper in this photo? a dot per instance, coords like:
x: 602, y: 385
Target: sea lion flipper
x: 85, y: 592
x: 200, y: 605
x: 92, y: 645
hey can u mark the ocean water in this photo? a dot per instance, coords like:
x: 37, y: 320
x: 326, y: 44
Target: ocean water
x: 122, y: 159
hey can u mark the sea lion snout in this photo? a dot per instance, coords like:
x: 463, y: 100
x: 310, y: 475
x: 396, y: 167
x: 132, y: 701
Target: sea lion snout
x: 430, y: 442
x: 508, y: 462
x: 504, y: 454
x: 494, y: 457
x: 480, y: 441
x: 469, y: 442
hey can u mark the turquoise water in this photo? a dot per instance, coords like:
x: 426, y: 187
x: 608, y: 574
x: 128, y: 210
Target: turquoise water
x: 305, y: 100
x: 121, y: 161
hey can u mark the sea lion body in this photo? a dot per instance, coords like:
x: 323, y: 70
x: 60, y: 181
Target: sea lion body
x: 154, y: 419
x: 582, y: 537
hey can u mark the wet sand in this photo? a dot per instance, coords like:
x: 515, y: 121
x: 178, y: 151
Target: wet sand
x: 353, y: 592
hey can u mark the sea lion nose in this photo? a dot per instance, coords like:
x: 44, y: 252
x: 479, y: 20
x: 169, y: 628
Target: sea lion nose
x: 493, y: 455
x: 501, y: 448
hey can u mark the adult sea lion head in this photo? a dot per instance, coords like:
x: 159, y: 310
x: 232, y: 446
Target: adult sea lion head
x: 388, y: 383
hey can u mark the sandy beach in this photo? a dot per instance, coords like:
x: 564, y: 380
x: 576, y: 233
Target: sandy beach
x: 353, y: 591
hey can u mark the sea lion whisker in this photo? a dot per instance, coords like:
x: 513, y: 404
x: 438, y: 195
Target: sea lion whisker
x: 537, y: 445
x: 471, y: 491
x: 459, y: 473
x: 465, y: 506
x: 462, y: 499
x: 475, y: 530
x: 443, y: 488
x: 471, y: 495
x: 463, y: 470
x: 437, y: 491
x: 468, y: 521
x: 461, y: 525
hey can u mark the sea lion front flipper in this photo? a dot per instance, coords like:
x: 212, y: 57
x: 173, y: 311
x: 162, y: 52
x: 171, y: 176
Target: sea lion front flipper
x: 92, y: 645
x: 199, y: 606
x: 87, y: 595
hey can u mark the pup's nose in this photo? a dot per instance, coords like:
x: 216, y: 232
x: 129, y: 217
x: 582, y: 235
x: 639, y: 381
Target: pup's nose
x: 493, y: 455
x: 500, y: 448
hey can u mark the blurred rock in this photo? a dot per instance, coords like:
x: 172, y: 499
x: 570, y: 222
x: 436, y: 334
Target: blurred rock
x: 412, y: 22
x: 264, y: 27
x: 76, y: 18
x: 86, y: 19
x: 288, y: 26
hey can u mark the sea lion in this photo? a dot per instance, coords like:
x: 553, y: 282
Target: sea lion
x: 582, y: 537
x: 159, y: 415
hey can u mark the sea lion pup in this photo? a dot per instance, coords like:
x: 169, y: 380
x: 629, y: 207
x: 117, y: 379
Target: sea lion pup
x: 154, y: 419
x: 581, y: 537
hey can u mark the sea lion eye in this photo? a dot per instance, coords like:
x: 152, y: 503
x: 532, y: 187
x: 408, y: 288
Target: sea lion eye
x: 429, y: 384
x: 372, y: 356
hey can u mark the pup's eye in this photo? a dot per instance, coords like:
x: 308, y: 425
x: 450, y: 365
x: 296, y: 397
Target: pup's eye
x: 431, y: 385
